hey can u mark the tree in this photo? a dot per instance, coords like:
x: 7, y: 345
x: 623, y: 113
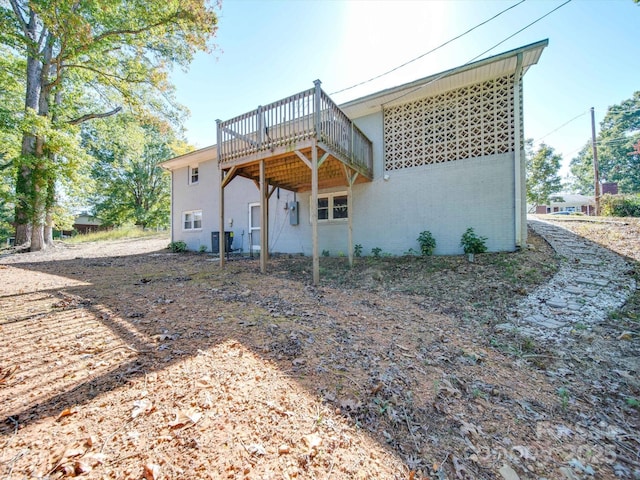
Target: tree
x: 86, y: 60
x: 543, y: 180
x: 618, y: 157
x: 130, y: 186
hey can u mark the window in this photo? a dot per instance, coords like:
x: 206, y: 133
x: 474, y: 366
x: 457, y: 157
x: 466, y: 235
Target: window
x: 192, y: 220
x: 193, y: 175
x: 332, y: 206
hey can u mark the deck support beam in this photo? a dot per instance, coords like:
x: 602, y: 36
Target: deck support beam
x: 314, y: 214
x: 264, y: 221
x: 351, y: 178
x: 221, y: 236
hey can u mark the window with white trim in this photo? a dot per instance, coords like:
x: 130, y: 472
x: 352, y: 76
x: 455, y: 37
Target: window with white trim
x: 193, y: 175
x: 332, y: 207
x: 192, y: 220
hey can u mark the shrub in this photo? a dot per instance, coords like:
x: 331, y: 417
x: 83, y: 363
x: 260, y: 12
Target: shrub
x: 357, y: 250
x: 202, y: 249
x: 427, y: 243
x: 471, y: 243
x: 177, y: 247
x: 325, y: 253
x: 620, y: 205
x: 376, y: 251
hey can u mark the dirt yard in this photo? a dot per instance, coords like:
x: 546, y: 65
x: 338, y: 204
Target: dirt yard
x: 122, y: 360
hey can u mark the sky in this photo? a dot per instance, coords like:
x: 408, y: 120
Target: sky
x: 267, y: 50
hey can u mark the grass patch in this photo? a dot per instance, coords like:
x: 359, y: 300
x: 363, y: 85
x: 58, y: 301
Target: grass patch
x: 130, y: 231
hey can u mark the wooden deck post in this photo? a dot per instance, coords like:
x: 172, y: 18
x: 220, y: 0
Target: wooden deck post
x: 264, y: 221
x: 351, y: 179
x: 221, y: 239
x: 314, y: 213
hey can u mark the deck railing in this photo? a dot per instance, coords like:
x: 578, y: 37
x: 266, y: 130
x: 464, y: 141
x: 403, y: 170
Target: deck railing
x: 289, y: 121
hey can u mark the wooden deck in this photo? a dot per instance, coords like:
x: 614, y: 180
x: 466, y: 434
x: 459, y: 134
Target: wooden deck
x: 280, y: 132
x: 303, y: 142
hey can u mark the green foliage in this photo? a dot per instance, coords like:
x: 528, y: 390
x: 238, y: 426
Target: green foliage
x: 543, y: 180
x: 376, y: 251
x: 130, y: 186
x: 563, y: 393
x: 427, y: 243
x: 620, y: 205
x: 471, y: 243
x: 177, y: 247
x: 81, y: 61
x: 618, y: 146
x: 632, y: 402
x: 127, y: 231
x: 357, y: 250
x: 202, y: 249
x: 325, y: 253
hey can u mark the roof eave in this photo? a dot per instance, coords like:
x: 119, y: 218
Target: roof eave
x: 197, y: 156
x: 358, y: 107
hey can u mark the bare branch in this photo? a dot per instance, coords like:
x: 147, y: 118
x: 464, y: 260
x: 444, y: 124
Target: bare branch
x: 91, y: 116
x: 105, y: 74
x: 18, y: 12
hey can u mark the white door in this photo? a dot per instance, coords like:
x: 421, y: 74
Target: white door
x: 254, y: 226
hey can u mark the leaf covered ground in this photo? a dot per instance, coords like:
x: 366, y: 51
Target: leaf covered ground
x: 122, y: 360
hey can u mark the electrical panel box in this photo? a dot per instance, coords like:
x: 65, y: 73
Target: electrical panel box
x: 294, y: 216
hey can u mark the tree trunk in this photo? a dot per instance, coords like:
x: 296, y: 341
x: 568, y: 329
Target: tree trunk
x: 24, y: 183
x: 50, y: 204
x: 40, y: 176
x: 23, y: 226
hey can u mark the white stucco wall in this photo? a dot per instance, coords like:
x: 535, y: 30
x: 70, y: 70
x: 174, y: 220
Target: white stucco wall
x: 444, y: 198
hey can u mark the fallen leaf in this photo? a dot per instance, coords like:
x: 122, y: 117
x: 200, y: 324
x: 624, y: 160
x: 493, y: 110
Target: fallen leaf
x: 66, y: 413
x: 186, y: 418
x: 470, y: 429
x: 141, y: 406
x: 283, y: 449
x: 151, y: 471
x: 461, y: 471
x: 524, y: 452
x: 256, y: 449
x: 508, y: 473
x: 312, y: 441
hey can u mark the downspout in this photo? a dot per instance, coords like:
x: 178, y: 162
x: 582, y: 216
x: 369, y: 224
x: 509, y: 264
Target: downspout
x: 519, y: 165
x: 172, y: 223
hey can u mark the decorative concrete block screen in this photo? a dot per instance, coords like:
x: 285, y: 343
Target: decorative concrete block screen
x: 468, y: 122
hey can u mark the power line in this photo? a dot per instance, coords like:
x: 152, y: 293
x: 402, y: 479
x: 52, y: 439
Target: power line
x: 479, y: 55
x: 430, y: 51
x: 561, y: 126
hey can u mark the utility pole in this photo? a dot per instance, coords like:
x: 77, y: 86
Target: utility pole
x: 596, y: 169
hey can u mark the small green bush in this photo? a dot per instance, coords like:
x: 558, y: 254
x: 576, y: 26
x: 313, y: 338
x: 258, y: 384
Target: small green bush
x: 620, y: 205
x: 471, y: 243
x: 325, y: 253
x: 427, y: 243
x: 357, y: 250
x: 177, y: 247
x: 376, y: 251
x: 202, y: 249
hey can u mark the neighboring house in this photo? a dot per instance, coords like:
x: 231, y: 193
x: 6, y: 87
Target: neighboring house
x: 85, y: 223
x: 443, y: 153
x: 569, y: 202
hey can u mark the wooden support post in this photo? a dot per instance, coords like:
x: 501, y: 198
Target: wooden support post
x: 264, y: 221
x: 221, y: 239
x: 596, y: 168
x: 350, y: 220
x: 351, y: 178
x: 314, y: 213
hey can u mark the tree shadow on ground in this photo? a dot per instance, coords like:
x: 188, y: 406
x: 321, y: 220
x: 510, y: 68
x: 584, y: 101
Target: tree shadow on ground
x: 426, y: 387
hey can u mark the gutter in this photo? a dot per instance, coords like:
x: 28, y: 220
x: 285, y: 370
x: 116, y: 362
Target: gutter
x: 519, y: 173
